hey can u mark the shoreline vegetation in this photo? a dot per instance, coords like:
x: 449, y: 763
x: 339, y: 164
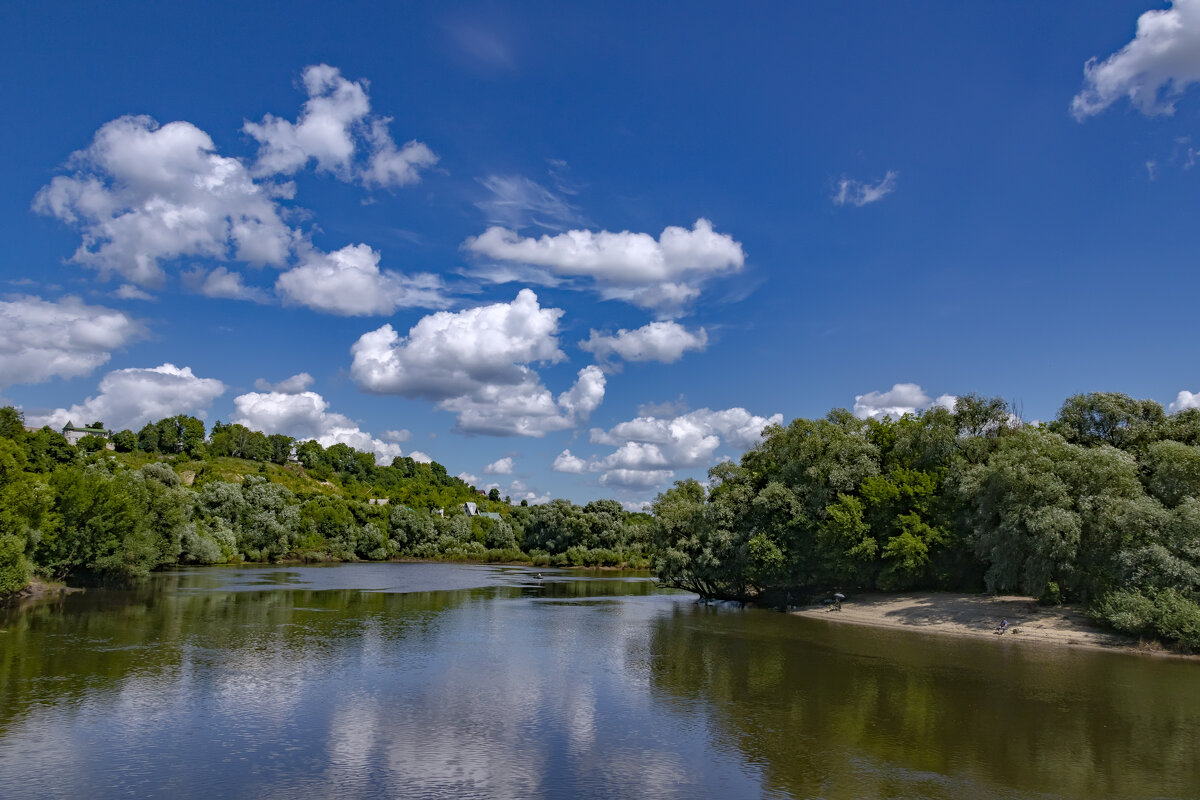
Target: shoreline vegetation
x: 1098, y: 509
x: 112, y: 507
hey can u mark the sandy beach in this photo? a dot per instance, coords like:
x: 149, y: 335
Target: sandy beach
x: 950, y: 614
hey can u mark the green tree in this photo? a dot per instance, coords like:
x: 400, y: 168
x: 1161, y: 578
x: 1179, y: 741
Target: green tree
x: 125, y: 441
x: 24, y: 511
x: 1173, y: 471
x: 1046, y: 511
x: 108, y: 526
x: 1108, y: 418
x: 92, y: 444
x: 690, y: 551
x: 148, y: 438
x: 12, y: 424
x: 48, y: 449
x: 281, y: 447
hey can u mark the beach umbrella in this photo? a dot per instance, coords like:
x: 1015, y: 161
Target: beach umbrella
x: 839, y: 595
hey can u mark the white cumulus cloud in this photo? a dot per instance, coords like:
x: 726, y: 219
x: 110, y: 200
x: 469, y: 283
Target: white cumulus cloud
x: 649, y: 449
x: 127, y: 291
x: 129, y: 398
x: 1185, y: 400
x: 305, y: 415
x: 476, y: 363
x: 901, y: 399
x: 518, y: 490
x: 293, y: 385
x: 527, y: 408
x: 349, y: 282
x: 142, y: 194
x: 222, y: 283
x: 565, y: 462
x: 502, y: 466
x: 635, y: 479
x: 1152, y: 70
x: 334, y: 127
x: 390, y: 165
x: 448, y: 354
x: 859, y: 194
x: 664, y: 341
x: 663, y: 274
x: 41, y: 339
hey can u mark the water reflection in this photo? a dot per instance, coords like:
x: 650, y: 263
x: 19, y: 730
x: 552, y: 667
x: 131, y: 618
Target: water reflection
x: 881, y: 713
x: 436, y: 680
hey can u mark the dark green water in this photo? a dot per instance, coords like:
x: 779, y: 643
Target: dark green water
x: 439, y: 680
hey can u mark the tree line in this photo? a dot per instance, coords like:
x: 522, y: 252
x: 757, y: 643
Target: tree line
x: 1099, y: 506
x: 173, y: 493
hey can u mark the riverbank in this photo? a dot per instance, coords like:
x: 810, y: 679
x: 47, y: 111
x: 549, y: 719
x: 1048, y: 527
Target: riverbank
x: 949, y: 614
x: 36, y: 591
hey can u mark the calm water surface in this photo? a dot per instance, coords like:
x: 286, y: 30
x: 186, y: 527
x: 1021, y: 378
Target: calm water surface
x: 441, y: 680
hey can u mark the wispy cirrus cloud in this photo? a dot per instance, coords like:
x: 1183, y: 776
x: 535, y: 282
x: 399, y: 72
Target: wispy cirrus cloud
x: 858, y: 194
x: 517, y: 202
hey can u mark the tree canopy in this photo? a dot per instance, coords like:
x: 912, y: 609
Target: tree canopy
x: 1099, y: 506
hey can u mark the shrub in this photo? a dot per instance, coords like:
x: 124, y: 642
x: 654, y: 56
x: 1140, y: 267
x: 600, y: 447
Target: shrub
x: 14, y: 569
x: 1167, y: 614
x: 1051, y: 595
x: 1178, y: 618
x: 1126, y: 611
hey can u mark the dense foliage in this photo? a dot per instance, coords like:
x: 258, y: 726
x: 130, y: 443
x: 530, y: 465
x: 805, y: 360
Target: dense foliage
x: 1100, y: 506
x: 170, y: 494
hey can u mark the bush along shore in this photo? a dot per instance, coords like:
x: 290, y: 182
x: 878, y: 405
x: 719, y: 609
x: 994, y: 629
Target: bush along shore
x: 1100, y: 507
x: 114, y: 506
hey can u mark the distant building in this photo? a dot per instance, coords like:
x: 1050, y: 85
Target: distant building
x: 378, y: 501
x: 491, y: 515
x: 471, y: 509
x: 73, y: 434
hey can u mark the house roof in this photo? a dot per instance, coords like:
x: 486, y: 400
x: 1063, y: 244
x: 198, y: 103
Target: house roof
x: 93, y: 431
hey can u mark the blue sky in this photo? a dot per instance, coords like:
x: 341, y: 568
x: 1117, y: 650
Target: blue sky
x: 583, y: 254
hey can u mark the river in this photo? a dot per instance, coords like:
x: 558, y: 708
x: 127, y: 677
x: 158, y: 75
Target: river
x: 465, y: 681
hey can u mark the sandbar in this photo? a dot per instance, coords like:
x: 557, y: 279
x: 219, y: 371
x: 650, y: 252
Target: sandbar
x: 952, y: 614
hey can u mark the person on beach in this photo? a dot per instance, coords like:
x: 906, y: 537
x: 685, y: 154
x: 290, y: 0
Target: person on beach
x: 1003, y: 626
